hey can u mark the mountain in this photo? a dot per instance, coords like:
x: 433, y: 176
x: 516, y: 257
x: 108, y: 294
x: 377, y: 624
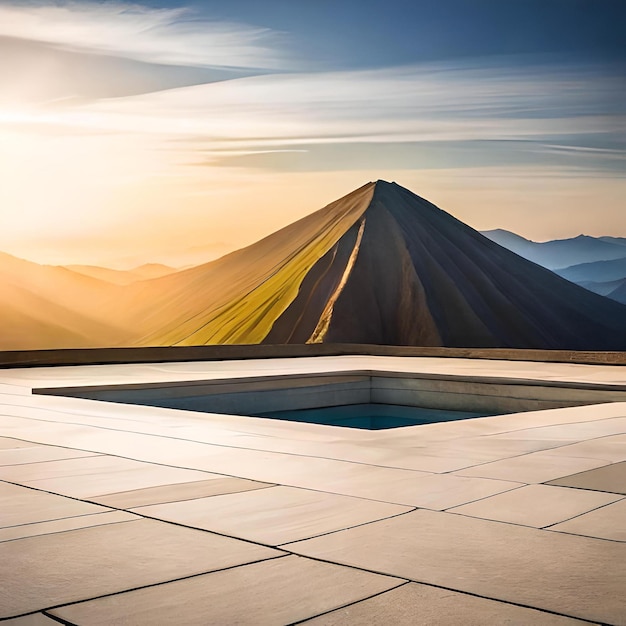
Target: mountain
x: 619, y: 293
x: 602, y: 288
x: 380, y: 265
x: 560, y: 253
x: 52, y: 307
x: 152, y: 270
x: 620, y: 241
x: 123, y: 277
x: 600, y: 271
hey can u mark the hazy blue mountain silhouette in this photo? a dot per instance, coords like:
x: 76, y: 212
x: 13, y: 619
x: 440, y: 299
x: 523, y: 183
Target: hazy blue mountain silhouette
x: 561, y: 253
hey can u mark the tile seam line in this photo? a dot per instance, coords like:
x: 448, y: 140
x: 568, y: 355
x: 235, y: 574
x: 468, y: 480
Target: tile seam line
x: 517, y: 525
x: 570, y: 534
x: 227, y: 493
x: 68, y: 530
x: 219, y: 495
x: 157, y: 584
x: 597, y: 508
x: 331, y: 532
x: 468, y: 593
x: 516, y: 430
x: 57, y: 519
x: 84, y: 456
x: 523, y: 454
x: 349, y: 604
x: 291, y: 454
x: 58, y: 620
x: 549, y: 483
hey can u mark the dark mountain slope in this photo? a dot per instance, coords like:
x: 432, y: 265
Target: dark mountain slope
x: 421, y: 277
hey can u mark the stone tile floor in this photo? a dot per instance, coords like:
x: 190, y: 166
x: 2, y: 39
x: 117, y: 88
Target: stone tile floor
x: 116, y: 514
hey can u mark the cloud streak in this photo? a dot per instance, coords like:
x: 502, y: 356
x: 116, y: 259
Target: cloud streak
x: 576, y: 107
x: 167, y: 36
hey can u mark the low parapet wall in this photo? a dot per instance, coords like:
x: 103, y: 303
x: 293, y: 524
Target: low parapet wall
x: 99, y: 356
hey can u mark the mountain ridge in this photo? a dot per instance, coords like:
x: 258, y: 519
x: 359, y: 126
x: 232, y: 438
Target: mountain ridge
x: 558, y: 254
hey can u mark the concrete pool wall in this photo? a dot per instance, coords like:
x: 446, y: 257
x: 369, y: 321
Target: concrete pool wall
x: 254, y: 395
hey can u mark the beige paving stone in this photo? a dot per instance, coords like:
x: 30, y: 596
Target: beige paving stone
x: 81, y: 564
x: 36, y: 619
x: 98, y: 475
x: 179, y: 492
x: 537, y: 467
x: 21, y: 505
x: 610, y: 478
x: 280, y: 591
x: 63, y: 525
x: 421, y: 605
x: 610, y: 449
x: 275, y: 515
x: 609, y: 522
x: 579, y: 431
x: 6, y: 443
x: 37, y: 454
x: 575, y: 576
x: 536, y: 505
x: 434, y: 491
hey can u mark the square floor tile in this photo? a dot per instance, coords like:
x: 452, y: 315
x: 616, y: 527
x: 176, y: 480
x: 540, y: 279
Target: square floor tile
x: 178, y: 492
x: 537, y: 467
x: 609, y: 522
x: 535, y: 505
x: 611, y: 478
x: 420, y: 605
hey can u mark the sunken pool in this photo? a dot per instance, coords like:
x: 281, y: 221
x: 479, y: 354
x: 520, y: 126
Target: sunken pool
x: 372, y: 400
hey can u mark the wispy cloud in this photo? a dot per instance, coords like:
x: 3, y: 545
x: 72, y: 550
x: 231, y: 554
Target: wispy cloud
x: 431, y: 103
x: 169, y: 36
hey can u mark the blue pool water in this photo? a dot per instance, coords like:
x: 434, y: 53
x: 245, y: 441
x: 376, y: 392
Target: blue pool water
x: 372, y: 416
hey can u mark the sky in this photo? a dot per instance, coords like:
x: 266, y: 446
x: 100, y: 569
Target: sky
x: 176, y: 132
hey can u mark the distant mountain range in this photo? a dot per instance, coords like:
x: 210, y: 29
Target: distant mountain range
x: 380, y: 265
x: 561, y: 253
x: 595, y: 263
x: 123, y: 277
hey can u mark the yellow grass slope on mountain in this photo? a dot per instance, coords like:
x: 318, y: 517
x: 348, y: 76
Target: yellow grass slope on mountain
x: 237, y: 298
